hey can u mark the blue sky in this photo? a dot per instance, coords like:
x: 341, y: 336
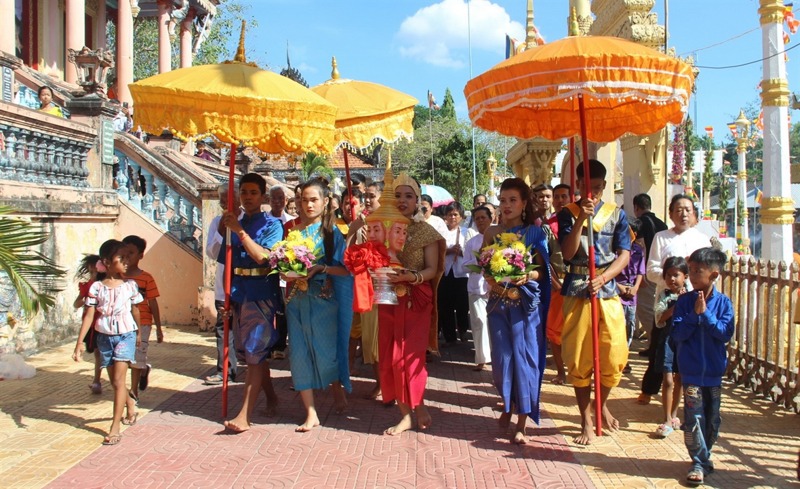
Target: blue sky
x: 417, y: 45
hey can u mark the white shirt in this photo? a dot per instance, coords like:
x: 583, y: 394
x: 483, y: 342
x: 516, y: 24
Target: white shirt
x: 455, y: 262
x: 213, y: 244
x: 437, y: 223
x: 476, y: 284
x: 667, y: 244
x: 284, y: 218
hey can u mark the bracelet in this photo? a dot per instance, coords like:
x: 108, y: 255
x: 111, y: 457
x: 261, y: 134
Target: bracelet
x: 242, y: 234
x: 324, y: 268
x: 603, y: 278
x: 419, y: 278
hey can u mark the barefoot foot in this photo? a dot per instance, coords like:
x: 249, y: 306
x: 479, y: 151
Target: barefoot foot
x: 309, y: 425
x: 519, y: 438
x: 403, y: 425
x: 610, y: 422
x: 559, y: 379
x: 374, y: 393
x: 272, y: 406
x: 424, y: 419
x: 236, y: 426
x: 586, y: 437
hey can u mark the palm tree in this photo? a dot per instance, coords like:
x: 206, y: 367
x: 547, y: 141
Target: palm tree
x: 313, y: 163
x: 31, y: 274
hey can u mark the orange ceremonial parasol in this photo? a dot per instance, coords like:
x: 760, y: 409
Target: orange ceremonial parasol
x: 600, y: 88
x: 240, y: 104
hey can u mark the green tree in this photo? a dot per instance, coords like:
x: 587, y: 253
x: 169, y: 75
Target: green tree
x: 448, y: 110
x: 313, y: 164
x: 32, y: 274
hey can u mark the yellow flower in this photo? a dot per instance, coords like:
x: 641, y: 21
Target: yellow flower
x: 507, y: 238
x: 518, y: 246
x: 498, y: 263
x: 294, y: 236
x: 290, y: 256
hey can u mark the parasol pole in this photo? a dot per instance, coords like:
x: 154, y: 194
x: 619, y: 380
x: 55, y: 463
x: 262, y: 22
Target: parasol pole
x: 572, y: 165
x: 598, y: 405
x: 349, y: 186
x: 226, y: 328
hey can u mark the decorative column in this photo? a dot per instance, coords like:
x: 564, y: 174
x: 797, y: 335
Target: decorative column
x: 532, y: 160
x: 777, y: 208
x: 186, y: 39
x: 582, y: 11
x: 164, y: 47
x: 8, y: 42
x: 124, y: 50
x: 100, y: 25
x: 75, y: 35
x: 742, y: 135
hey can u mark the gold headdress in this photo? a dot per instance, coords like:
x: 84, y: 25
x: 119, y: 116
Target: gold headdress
x: 405, y: 179
x: 388, y: 212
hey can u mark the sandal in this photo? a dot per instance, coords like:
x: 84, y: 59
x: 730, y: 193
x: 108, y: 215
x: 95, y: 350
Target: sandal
x: 96, y: 388
x: 643, y: 399
x: 112, y: 439
x: 130, y: 420
x: 695, y: 477
x: 663, y: 430
x: 132, y: 396
x: 676, y: 423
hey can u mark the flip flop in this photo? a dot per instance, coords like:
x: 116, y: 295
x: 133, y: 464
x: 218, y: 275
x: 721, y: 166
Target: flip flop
x: 676, y: 423
x: 131, y: 420
x: 695, y: 477
x: 112, y: 439
x: 664, y: 430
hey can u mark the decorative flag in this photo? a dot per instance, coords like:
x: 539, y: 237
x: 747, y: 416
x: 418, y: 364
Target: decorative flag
x: 513, y: 46
x: 733, y: 129
x: 788, y: 16
x: 759, y: 195
x: 538, y: 37
x: 710, y: 131
x: 760, y: 121
x: 432, y: 102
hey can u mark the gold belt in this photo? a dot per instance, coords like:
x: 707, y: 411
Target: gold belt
x: 579, y: 270
x: 251, y: 272
x: 511, y: 292
x: 402, y: 290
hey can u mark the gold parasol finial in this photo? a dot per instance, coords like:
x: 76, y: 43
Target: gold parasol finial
x: 240, y: 50
x: 334, y: 69
x: 574, y: 28
x: 388, y: 178
x: 530, y: 33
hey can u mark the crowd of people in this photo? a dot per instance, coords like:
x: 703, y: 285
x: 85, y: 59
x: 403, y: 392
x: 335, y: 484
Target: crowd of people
x: 646, y: 274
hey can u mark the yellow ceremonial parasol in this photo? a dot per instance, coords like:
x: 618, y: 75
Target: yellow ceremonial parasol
x: 600, y: 88
x: 240, y: 104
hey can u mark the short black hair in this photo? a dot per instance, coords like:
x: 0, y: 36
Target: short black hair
x: 482, y: 208
x: 564, y: 186
x: 254, y: 178
x: 454, y: 206
x: 542, y: 186
x: 679, y: 197
x: 709, y: 257
x: 596, y: 170
x: 359, y: 196
x: 642, y: 201
x: 427, y: 198
x: 376, y: 184
x: 478, y: 195
x: 43, y: 88
x: 358, y: 178
x: 109, y: 248
x: 136, y: 241
x: 678, y: 262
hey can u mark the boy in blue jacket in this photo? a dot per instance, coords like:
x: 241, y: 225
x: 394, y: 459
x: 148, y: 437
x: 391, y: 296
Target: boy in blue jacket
x: 703, y: 323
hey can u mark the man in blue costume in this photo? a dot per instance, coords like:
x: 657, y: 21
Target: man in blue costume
x: 254, y: 294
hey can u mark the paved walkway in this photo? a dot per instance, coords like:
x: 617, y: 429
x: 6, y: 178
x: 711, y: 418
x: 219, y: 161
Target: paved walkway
x: 51, y: 427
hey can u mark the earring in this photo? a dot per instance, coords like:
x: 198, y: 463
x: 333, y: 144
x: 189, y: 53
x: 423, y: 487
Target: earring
x: 524, y: 214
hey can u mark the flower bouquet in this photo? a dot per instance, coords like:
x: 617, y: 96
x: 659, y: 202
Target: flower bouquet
x: 292, y: 256
x: 508, y: 260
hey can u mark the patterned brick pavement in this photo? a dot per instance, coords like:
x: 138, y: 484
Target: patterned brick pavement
x: 51, y: 428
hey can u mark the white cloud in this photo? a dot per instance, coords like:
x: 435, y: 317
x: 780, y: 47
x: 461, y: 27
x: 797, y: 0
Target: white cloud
x: 438, y: 34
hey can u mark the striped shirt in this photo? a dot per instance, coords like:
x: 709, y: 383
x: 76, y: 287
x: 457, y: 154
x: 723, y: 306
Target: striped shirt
x: 113, y: 307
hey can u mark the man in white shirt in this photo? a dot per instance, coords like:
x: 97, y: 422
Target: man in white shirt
x: 277, y: 204
x: 452, y: 294
x: 478, y: 289
x: 213, y: 243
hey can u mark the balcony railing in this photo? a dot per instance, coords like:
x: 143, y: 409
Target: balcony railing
x: 764, y: 354
x: 40, y: 148
x: 162, y: 186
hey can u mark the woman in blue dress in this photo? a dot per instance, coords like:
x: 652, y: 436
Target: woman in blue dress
x: 517, y: 313
x: 319, y: 308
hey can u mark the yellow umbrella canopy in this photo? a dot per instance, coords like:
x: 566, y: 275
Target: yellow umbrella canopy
x: 368, y: 112
x: 627, y: 88
x: 238, y: 103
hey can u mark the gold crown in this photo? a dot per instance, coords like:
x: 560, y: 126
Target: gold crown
x: 405, y: 179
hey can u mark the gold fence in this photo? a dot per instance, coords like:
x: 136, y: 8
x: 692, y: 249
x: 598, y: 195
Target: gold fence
x: 764, y: 353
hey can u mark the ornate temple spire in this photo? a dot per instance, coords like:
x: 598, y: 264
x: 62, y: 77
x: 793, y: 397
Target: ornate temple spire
x: 334, y: 69
x: 580, y: 13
